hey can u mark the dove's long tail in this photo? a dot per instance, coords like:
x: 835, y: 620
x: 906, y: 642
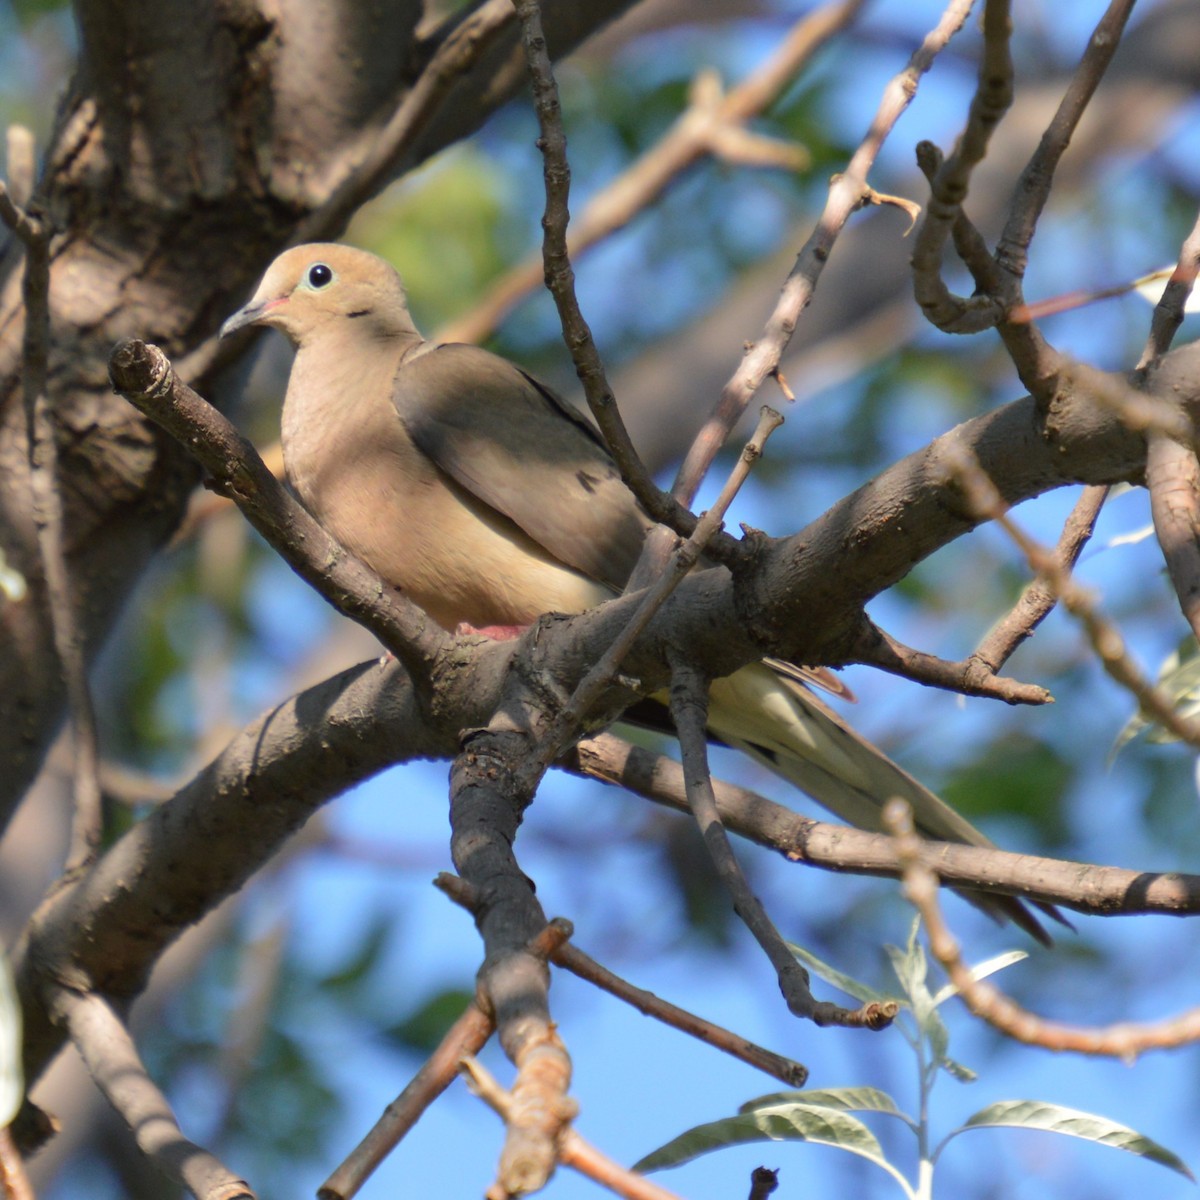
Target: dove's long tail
x: 777, y: 721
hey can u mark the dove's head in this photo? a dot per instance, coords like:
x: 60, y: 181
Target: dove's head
x: 324, y: 289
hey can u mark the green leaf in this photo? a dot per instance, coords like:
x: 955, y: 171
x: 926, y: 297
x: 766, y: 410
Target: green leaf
x: 847, y: 1099
x: 911, y: 969
x: 365, y: 958
x: 1054, y: 1118
x: 841, y: 981
x: 784, y: 1123
x: 1179, y: 679
x: 981, y: 971
x: 1016, y: 775
x: 12, y: 1088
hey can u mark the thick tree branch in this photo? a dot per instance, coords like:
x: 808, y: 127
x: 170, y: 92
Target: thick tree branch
x: 109, y: 926
x: 1084, y: 887
x: 567, y: 955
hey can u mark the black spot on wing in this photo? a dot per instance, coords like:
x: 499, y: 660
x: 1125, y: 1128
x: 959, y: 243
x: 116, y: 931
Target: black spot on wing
x: 362, y: 312
x: 587, y: 482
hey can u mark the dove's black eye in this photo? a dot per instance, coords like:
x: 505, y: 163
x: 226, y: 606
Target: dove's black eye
x: 319, y: 275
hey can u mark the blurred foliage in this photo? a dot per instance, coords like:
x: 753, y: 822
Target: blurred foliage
x: 423, y: 1029
x: 1017, y: 775
x: 444, y: 228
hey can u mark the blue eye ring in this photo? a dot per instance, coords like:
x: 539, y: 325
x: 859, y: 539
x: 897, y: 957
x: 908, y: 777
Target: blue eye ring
x: 319, y: 275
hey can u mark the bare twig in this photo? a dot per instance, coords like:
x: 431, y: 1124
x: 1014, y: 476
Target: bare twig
x: 847, y: 193
x: 704, y: 127
x: 467, y: 1036
x: 1033, y: 188
x: 573, y: 1150
x: 14, y: 1180
x: 1090, y: 888
x: 1124, y: 1041
x: 689, y: 711
x: 114, y: 1063
x: 950, y: 182
x: 682, y: 561
x: 970, y: 678
x: 1104, y: 636
x: 145, y: 377
x: 571, y: 958
x: 1037, y: 601
x: 47, y: 505
x: 1168, y: 312
x: 560, y: 279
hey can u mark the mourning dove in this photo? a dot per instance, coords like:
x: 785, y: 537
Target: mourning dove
x: 470, y: 485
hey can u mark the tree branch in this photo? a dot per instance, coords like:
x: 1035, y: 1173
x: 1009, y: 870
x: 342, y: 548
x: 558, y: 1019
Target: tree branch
x: 560, y: 279
x: 1037, y: 601
x: 1083, y: 887
x: 847, y: 194
x: 690, y: 138
x: 567, y: 955
x: 144, y: 376
x: 1125, y: 1041
x: 112, y: 1059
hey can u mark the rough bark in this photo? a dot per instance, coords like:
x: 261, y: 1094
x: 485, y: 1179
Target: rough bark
x: 190, y: 144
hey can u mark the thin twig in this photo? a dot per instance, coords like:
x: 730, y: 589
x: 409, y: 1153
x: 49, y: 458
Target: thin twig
x: 604, y: 670
x: 1033, y: 188
x: 699, y: 130
x: 1103, y: 635
x: 848, y: 192
x: 560, y: 279
x: 1168, y: 312
x: 1037, y: 601
x: 969, y: 678
x: 573, y: 1150
x: 1039, y: 365
x: 49, y: 517
x: 467, y: 1036
x: 689, y: 711
x: 112, y: 1060
x: 568, y: 956
x: 1124, y: 1041
x: 949, y: 185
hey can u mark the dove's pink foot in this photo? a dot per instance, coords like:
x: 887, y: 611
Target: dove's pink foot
x: 498, y: 633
